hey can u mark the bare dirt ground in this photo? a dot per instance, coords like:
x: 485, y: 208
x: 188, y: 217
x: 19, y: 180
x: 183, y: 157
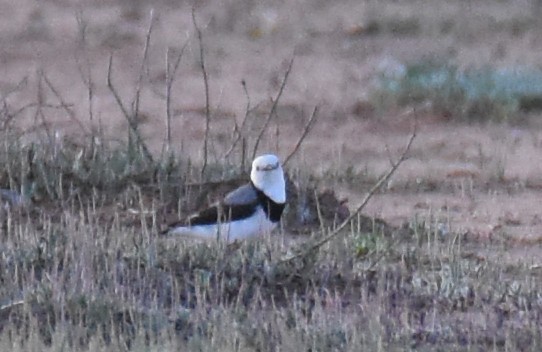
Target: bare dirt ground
x: 485, y: 180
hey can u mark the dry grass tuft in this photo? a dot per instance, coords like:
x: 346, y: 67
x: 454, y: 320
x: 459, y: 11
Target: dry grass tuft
x: 82, y: 269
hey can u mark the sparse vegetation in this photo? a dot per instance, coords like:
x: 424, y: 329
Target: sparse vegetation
x: 82, y: 267
x: 86, y: 271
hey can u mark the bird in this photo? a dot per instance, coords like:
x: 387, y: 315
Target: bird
x: 251, y: 210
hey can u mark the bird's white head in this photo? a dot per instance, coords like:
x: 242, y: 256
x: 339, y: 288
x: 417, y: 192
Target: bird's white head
x: 268, y: 176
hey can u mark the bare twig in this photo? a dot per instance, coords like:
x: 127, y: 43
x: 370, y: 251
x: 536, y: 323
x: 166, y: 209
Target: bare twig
x: 243, y: 152
x: 238, y: 130
x: 6, y: 115
x: 18, y: 87
x: 87, y: 78
x: 143, y: 66
x: 113, y: 90
x: 63, y: 104
x: 39, y: 109
x: 277, y: 137
x: 236, y: 135
x: 89, y: 83
x: 10, y: 116
x: 170, y: 79
x: 131, y: 121
x: 306, y: 130
x: 132, y: 117
x: 273, y: 107
x: 366, y: 200
x: 207, y: 98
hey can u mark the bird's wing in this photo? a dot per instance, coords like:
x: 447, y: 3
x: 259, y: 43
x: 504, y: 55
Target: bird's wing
x: 221, y: 213
x: 243, y: 195
x: 236, y: 205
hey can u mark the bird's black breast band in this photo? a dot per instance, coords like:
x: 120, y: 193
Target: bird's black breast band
x: 272, y: 209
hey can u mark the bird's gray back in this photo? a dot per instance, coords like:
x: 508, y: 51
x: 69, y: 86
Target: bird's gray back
x: 243, y: 195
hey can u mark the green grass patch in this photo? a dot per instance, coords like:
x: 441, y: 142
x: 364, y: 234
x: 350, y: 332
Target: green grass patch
x: 474, y: 95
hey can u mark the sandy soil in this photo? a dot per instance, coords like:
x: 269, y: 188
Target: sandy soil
x: 481, y: 179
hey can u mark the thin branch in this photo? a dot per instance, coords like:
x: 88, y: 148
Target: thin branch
x: 238, y: 130
x: 89, y: 83
x: 170, y: 79
x: 131, y: 122
x: 87, y: 80
x: 207, y: 98
x: 63, y: 104
x: 273, y: 107
x: 277, y: 137
x: 18, y: 87
x: 169, y: 84
x: 238, y: 134
x: 12, y: 115
x: 39, y: 109
x: 114, y: 91
x: 366, y: 200
x: 6, y: 116
x: 243, y: 152
x: 143, y: 66
x: 306, y: 130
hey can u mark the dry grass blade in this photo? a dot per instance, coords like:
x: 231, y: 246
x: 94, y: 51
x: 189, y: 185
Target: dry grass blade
x: 306, y: 131
x: 370, y: 194
x: 273, y: 108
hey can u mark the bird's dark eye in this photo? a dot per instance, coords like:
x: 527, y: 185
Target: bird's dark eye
x: 268, y: 167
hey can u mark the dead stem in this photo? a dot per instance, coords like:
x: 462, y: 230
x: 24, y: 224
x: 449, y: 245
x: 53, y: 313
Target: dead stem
x: 87, y: 78
x: 40, y: 97
x: 131, y: 121
x: 306, y: 131
x: 273, y: 108
x: 370, y: 194
x: 171, y: 74
x: 63, y: 103
x: 143, y: 67
x: 207, y: 98
x: 238, y: 130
